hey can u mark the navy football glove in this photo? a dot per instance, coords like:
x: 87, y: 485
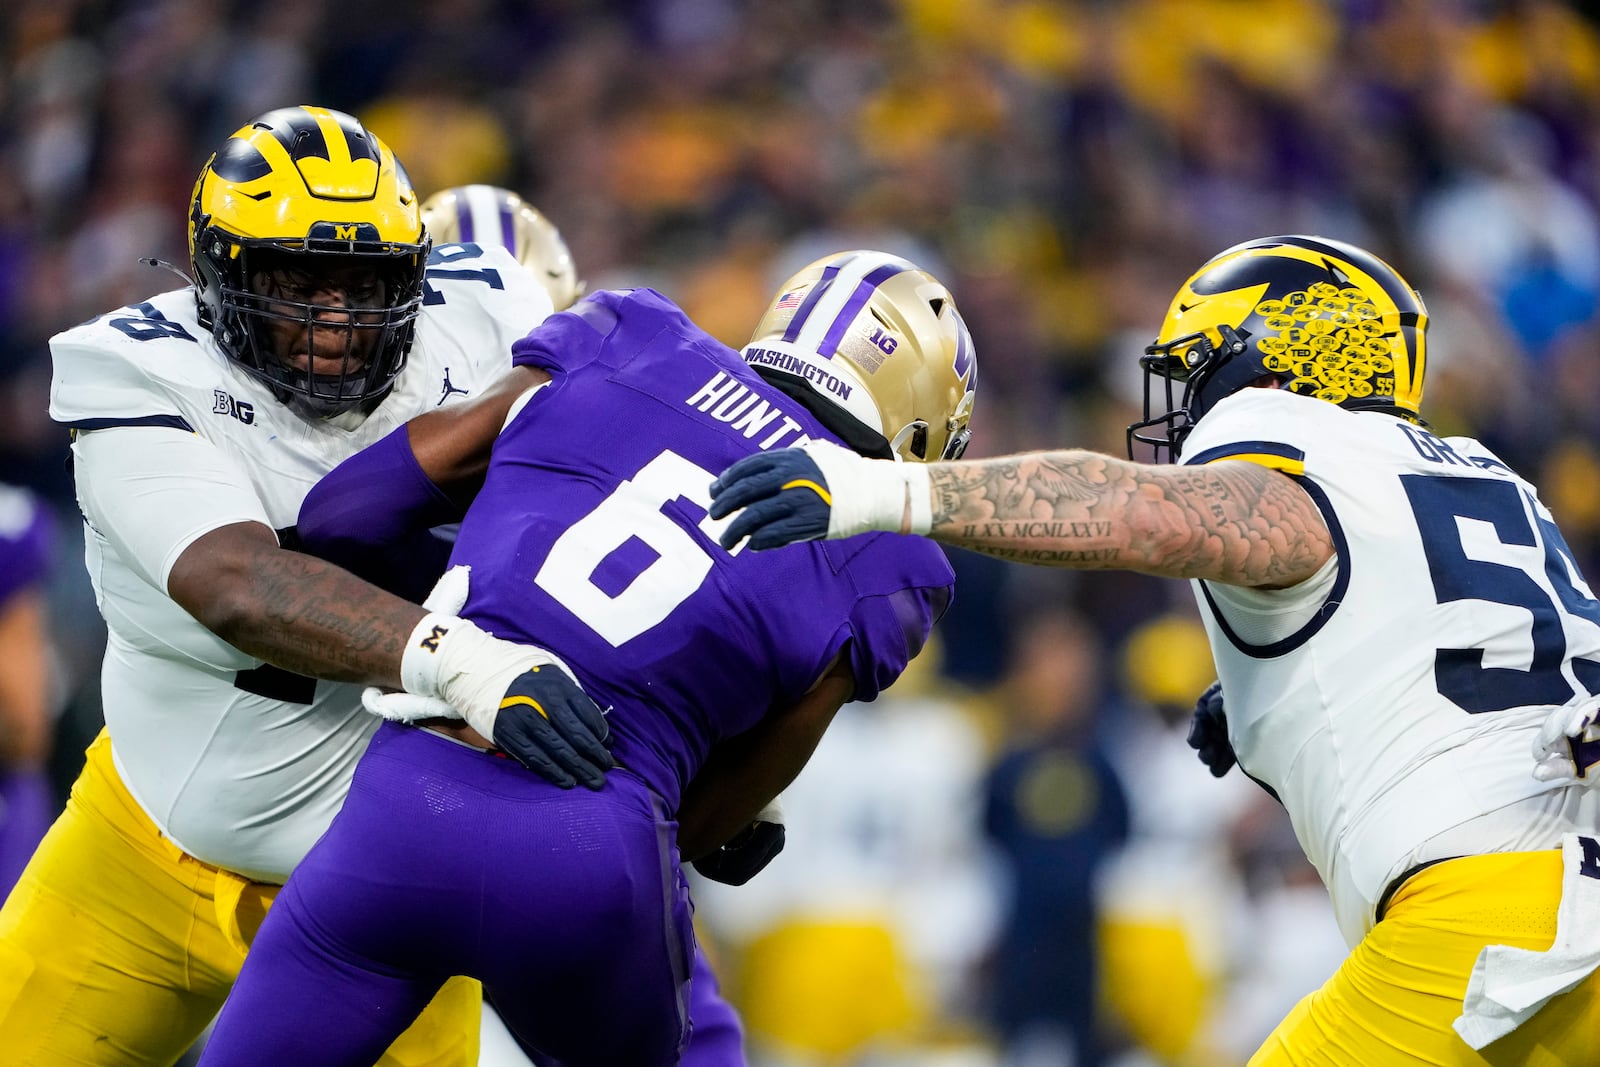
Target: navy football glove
x: 745, y: 856
x: 784, y: 495
x: 1208, y: 732
x: 550, y: 726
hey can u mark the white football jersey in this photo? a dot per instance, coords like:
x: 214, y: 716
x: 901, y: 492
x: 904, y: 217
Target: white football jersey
x: 241, y: 764
x: 1391, y: 700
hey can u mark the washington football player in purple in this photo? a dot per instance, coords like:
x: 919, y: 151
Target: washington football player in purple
x: 588, y: 532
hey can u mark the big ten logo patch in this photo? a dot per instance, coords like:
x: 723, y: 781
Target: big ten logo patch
x: 224, y: 404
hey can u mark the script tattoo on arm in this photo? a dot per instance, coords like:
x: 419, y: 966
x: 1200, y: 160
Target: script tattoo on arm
x: 1234, y: 522
x: 292, y: 610
x: 319, y: 620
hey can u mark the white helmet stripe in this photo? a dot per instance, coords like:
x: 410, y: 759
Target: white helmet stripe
x: 486, y: 217
x: 833, y: 305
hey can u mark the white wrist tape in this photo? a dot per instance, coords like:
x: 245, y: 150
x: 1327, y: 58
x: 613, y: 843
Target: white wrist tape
x: 404, y: 707
x: 919, y: 491
x: 871, y: 494
x: 422, y: 660
x: 453, y: 660
x: 773, y: 812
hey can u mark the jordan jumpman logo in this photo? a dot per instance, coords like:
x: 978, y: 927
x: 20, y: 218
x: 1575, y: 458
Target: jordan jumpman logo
x: 448, y: 388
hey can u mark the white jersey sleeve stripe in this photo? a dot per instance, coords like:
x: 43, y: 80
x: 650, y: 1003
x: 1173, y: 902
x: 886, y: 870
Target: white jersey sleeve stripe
x: 171, y: 422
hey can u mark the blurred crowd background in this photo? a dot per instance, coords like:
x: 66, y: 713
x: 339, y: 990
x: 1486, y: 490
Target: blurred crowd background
x: 1011, y: 857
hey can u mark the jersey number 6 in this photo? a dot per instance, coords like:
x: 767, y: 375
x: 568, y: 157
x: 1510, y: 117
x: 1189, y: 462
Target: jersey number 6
x: 633, y: 512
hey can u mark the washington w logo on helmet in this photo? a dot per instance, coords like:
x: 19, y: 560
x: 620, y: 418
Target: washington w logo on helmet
x: 1324, y: 318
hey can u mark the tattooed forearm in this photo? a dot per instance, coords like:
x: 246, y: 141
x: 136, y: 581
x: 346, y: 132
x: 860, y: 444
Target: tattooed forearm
x: 292, y: 610
x: 1094, y: 558
x: 1231, y: 522
x: 318, y: 620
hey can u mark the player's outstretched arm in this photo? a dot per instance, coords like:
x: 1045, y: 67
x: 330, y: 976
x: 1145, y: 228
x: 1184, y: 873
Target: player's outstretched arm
x: 372, y: 512
x: 1233, y: 522
x: 308, y: 616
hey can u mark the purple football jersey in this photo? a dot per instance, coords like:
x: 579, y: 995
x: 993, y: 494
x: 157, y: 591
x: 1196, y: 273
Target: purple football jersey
x: 591, y: 538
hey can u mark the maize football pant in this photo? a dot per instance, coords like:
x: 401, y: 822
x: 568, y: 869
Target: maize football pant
x: 1394, y: 1000
x: 117, y: 949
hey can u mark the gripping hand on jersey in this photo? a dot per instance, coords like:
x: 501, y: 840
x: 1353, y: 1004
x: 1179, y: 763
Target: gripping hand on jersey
x: 817, y: 491
x: 521, y: 697
x: 1208, y: 732
x: 1568, y: 745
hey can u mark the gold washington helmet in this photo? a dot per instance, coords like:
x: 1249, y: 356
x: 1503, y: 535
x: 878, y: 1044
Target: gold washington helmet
x: 489, y: 215
x: 1325, y: 318
x: 875, y: 348
x: 296, y: 194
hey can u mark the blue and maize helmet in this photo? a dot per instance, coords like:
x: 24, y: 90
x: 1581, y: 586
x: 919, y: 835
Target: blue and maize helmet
x: 875, y: 348
x: 1325, y: 318
x: 300, y: 192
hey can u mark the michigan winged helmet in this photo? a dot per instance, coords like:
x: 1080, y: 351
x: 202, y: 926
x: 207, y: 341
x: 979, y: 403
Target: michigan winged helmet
x: 297, y: 197
x: 1324, y: 318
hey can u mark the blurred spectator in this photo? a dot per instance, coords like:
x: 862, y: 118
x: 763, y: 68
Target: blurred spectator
x: 26, y: 805
x: 1508, y: 230
x: 1214, y: 923
x: 1057, y: 812
x: 1281, y: 945
x: 1166, y: 961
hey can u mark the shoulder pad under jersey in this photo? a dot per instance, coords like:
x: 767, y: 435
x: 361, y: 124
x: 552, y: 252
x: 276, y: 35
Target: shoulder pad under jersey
x: 132, y: 366
x: 605, y: 323
x: 469, y: 286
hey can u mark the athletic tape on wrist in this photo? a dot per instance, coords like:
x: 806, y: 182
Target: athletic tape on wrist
x: 423, y: 656
x: 867, y: 494
x: 919, y: 492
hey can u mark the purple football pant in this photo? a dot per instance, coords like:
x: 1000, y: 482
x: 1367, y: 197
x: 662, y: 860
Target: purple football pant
x: 26, y: 810
x: 569, y: 905
x: 716, y: 1037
